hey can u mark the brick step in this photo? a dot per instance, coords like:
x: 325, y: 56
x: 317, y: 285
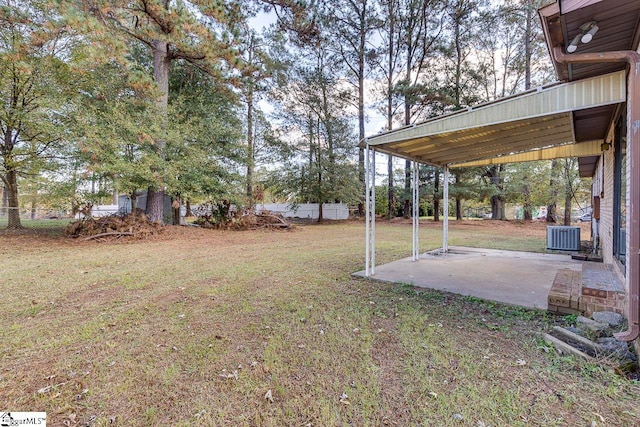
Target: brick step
x: 595, y: 288
x: 564, y: 296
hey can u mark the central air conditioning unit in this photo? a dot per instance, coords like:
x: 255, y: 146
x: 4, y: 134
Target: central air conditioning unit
x: 563, y: 238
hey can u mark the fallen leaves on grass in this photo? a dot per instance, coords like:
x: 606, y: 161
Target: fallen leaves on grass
x: 229, y: 375
x: 344, y: 399
x: 48, y: 388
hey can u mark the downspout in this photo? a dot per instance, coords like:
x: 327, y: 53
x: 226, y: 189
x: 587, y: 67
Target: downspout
x: 633, y: 149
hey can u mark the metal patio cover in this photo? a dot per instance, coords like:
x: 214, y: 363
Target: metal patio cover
x: 534, y: 125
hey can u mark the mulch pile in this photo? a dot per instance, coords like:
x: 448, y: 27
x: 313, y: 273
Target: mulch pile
x: 111, y: 227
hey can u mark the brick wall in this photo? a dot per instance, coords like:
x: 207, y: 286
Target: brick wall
x: 606, y: 208
x: 605, y: 231
x: 627, y: 202
x: 593, y: 300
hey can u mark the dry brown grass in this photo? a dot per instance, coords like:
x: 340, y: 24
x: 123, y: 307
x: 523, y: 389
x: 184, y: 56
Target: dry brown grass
x: 146, y: 333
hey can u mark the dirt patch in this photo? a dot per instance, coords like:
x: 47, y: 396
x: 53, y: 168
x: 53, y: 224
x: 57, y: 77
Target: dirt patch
x: 172, y: 297
x: 99, y: 294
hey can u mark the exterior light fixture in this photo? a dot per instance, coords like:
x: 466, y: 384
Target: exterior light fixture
x: 605, y: 146
x: 573, y: 46
x: 587, y: 31
x: 591, y: 30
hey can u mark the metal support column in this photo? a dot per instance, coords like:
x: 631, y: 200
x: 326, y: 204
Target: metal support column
x: 367, y: 225
x: 445, y: 211
x: 373, y: 212
x: 370, y: 211
x: 415, y: 185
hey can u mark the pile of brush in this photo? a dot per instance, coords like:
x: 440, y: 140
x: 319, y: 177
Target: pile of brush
x: 135, y: 225
x: 243, y: 220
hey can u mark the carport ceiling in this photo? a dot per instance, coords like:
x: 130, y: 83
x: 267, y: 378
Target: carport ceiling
x: 486, y: 141
x: 534, y: 120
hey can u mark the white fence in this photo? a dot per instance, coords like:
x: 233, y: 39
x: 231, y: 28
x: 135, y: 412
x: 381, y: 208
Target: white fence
x: 101, y: 210
x: 333, y: 211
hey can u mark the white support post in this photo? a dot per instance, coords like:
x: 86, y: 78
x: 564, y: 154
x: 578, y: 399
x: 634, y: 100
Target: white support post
x: 367, y: 230
x: 370, y: 211
x: 415, y: 184
x: 445, y: 211
x: 373, y: 213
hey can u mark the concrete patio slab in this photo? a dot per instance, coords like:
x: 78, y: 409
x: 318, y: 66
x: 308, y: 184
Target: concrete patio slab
x: 516, y: 278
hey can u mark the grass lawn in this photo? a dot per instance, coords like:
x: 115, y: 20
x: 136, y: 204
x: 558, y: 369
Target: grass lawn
x: 39, y: 223
x: 266, y: 328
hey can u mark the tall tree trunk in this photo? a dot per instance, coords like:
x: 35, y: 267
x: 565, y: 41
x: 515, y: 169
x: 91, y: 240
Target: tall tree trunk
x: 567, y: 206
x: 527, y: 45
x: 436, y: 196
x: 161, y: 63
x: 250, y: 145
x: 327, y: 121
x: 458, y: 197
x: 568, y: 190
x: 309, y: 181
x: 155, y: 205
x: 458, y: 76
x: 5, y: 200
x: 361, y: 178
x: 497, y: 200
x: 497, y: 207
x: 10, y: 178
x: 362, y: 47
x: 527, y: 213
x: 407, y: 172
x: 407, y: 121
x: 319, y: 183
x: 11, y: 187
x: 134, y: 201
x: 553, y: 202
x: 175, y: 207
x: 188, y: 208
x: 391, y: 199
x: 527, y: 209
x: 407, y: 189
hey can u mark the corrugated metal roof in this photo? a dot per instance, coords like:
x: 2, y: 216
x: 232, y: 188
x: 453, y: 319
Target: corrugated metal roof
x: 533, y: 120
x: 585, y: 149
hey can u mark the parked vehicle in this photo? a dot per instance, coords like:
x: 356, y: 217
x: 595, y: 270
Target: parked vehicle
x: 585, y: 217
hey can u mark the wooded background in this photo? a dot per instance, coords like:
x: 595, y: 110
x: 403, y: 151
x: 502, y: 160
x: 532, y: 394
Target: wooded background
x: 199, y: 101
